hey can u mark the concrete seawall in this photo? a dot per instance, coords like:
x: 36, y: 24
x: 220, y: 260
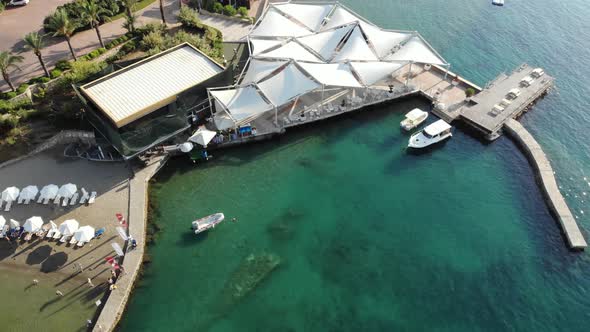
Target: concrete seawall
x: 553, y: 196
x: 116, y: 302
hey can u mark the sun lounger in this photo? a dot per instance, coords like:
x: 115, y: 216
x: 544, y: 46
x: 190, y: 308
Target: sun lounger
x: 46, y: 201
x: 99, y: 232
x: 20, y: 200
x: 92, y: 197
x: 73, y: 241
x: 1, y: 201
x: 65, y: 202
x: 56, y: 235
x: 64, y: 239
x: 50, y: 233
x: 80, y: 244
x: 8, y: 205
x: 40, y: 199
x: 27, y: 201
x: 74, y: 199
x: 56, y: 200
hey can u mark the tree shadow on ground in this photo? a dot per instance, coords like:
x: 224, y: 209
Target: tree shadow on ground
x: 54, y: 262
x: 38, y: 255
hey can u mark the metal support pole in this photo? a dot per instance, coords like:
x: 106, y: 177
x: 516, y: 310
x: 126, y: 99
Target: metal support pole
x: 277, y: 117
x: 409, y: 73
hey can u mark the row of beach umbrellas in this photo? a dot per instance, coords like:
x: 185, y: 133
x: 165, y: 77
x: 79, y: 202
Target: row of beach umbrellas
x: 53, y: 192
x: 68, y: 228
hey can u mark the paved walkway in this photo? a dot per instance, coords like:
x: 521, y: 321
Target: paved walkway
x: 14, y: 28
x: 138, y: 203
x: 548, y: 184
x: 232, y: 30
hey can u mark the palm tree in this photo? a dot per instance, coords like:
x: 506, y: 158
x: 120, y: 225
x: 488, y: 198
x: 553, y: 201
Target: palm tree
x: 162, y: 11
x: 63, y: 26
x: 8, y: 61
x: 130, y: 17
x: 93, y: 13
x: 34, y: 41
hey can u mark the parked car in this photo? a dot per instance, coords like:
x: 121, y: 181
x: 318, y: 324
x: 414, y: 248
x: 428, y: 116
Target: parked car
x: 18, y: 2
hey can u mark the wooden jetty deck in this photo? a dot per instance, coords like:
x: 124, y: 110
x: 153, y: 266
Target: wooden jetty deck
x: 479, y: 111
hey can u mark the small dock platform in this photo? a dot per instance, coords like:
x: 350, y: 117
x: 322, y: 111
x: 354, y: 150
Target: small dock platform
x: 543, y: 168
x: 490, y: 109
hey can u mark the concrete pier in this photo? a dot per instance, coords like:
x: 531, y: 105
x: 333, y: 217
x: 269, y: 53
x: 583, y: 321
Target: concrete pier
x: 547, y: 182
x: 114, y: 306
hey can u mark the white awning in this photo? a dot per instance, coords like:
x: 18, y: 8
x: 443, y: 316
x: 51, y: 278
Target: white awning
x: 325, y: 43
x: 356, y: 48
x: 291, y: 50
x: 373, y: 72
x: 273, y: 23
x: 261, y: 45
x: 259, y: 69
x: 241, y: 103
x: 332, y: 74
x: 223, y: 121
x: 286, y: 85
x: 202, y: 136
x: 340, y: 16
x: 383, y: 41
x: 310, y: 15
x: 417, y: 50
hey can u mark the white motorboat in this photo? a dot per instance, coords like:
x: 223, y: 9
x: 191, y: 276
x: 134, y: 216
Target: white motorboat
x: 205, y: 223
x: 498, y: 2
x: 413, y: 119
x: 433, y: 133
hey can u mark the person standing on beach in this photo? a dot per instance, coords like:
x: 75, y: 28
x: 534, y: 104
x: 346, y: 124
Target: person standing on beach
x: 90, y: 283
x: 59, y: 293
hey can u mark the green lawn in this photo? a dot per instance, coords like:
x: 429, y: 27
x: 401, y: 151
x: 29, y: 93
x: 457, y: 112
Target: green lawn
x: 138, y: 6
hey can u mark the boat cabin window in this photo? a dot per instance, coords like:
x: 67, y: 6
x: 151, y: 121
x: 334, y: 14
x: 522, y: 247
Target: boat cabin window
x: 427, y: 135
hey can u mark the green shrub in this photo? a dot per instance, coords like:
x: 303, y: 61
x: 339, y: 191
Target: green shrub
x: 44, y: 79
x: 8, y: 106
x: 2, y: 6
x: 217, y: 8
x: 82, y: 70
x: 93, y: 54
x: 74, y: 13
x: 55, y: 73
x: 129, y: 47
x: 469, y: 92
x: 188, y: 17
x: 22, y: 88
x: 209, y: 5
x: 63, y: 65
x: 41, y: 93
x: 243, y: 11
x: 10, y: 95
x: 229, y: 10
x: 152, y: 41
x: 101, y: 50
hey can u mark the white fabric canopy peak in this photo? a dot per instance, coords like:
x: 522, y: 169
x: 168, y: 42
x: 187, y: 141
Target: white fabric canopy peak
x: 273, y: 23
x: 325, y: 43
x: 241, y: 103
x: 291, y: 50
x: 356, y: 48
x: 261, y: 45
x: 259, y: 69
x: 373, y: 72
x: 417, y: 50
x: 332, y: 74
x: 287, y: 84
x: 340, y: 16
x: 383, y: 41
x: 309, y: 14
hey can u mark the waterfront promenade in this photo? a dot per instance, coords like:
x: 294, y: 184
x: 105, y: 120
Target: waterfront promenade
x: 546, y: 178
x: 138, y: 205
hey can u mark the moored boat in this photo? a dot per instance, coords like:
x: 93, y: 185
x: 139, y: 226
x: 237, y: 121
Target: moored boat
x: 431, y: 134
x: 205, y: 223
x: 413, y: 119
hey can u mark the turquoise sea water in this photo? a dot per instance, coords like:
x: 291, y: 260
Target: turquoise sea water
x: 371, y: 238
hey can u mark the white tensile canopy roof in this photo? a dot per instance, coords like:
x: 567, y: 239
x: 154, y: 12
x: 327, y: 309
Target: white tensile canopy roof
x: 298, y: 47
x: 241, y: 103
x: 311, y: 15
x: 273, y: 23
x: 286, y: 85
x: 333, y: 74
x: 291, y: 50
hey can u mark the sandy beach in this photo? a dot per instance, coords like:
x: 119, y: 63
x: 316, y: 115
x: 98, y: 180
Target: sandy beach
x: 57, y: 266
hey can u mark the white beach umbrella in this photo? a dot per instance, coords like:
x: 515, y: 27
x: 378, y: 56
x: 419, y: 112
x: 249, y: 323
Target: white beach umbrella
x: 202, y: 136
x: 14, y: 224
x: 69, y: 227
x: 10, y: 194
x: 2, y: 222
x: 122, y: 233
x: 29, y: 192
x: 67, y: 190
x: 186, y: 147
x: 117, y: 249
x: 84, y: 234
x: 49, y: 191
x: 33, y: 224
